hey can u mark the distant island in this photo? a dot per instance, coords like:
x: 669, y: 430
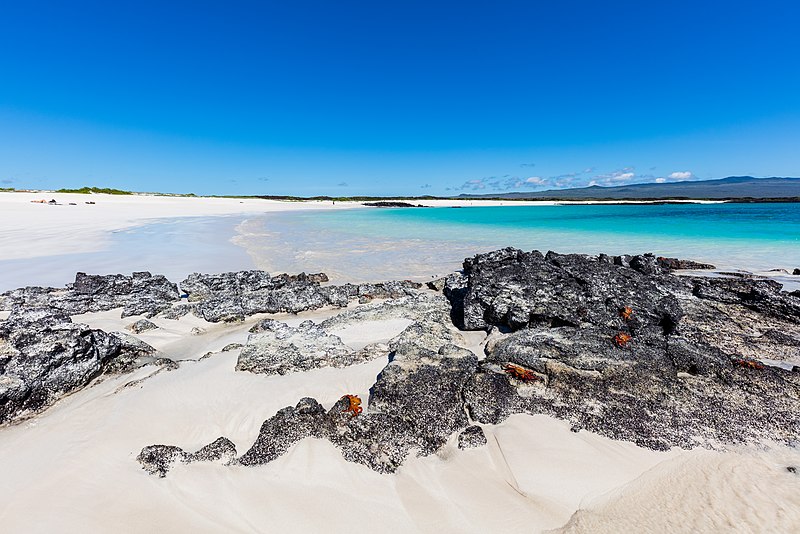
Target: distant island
x: 731, y: 188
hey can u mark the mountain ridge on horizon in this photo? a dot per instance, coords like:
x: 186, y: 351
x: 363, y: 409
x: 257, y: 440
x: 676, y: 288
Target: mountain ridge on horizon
x: 718, y: 188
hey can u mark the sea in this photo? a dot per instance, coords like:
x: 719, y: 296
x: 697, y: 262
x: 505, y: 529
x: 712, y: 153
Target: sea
x: 373, y: 244
x: 381, y: 243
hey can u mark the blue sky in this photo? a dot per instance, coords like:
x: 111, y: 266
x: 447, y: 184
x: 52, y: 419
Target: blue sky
x: 395, y: 98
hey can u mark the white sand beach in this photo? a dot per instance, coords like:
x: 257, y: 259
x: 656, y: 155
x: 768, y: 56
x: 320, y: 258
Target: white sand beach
x: 77, y: 460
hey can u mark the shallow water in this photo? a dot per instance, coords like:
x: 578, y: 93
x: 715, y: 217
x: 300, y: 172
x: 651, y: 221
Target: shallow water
x: 172, y: 247
x: 418, y: 243
x: 415, y: 243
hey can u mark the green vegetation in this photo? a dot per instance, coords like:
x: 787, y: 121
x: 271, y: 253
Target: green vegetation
x: 7, y: 189
x: 88, y: 190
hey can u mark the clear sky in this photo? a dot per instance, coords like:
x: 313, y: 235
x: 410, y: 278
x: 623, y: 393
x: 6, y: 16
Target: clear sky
x: 389, y: 97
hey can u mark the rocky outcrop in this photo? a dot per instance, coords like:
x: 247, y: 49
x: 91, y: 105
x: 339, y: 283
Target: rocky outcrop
x: 234, y: 296
x: 615, y: 345
x: 158, y: 459
x: 657, y: 391
x: 139, y: 294
x: 274, y: 347
x: 515, y: 289
x: 45, y: 356
x: 142, y: 325
x: 675, y: 264
x: 471, y: 438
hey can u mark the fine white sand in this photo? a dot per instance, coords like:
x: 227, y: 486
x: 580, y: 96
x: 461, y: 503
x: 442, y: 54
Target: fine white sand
x: 73, y: 468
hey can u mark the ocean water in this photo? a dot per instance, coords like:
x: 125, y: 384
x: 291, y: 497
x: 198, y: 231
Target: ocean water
x: 371, y: 244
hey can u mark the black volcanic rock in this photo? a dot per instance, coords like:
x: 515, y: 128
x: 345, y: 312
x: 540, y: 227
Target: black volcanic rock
x: 392, y: 204
x: 139, y: 294
x: 675, y: 264
x: 234, y: 296
x: 471, y: 437
x: 516, y: 289
x: 159, y: 459
x: 45, y: 356
x: 615, y: 345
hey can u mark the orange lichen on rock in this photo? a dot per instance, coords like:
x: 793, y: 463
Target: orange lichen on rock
x: 749, y: 364
x: 355, y: 404
x: 626, y: 313
x: 622, y: 339
x: 520, y: 373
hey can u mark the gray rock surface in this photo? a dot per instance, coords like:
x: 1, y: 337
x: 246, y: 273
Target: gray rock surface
x: 45, y: 356
x: 142, y: 325
x: 615, y: 345
x: 471, y: 437
x: 159, y: 459
x: 274, y: 347
x: 139, y: 294
x: 234, y: 296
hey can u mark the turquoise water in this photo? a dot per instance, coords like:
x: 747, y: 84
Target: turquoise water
x: 775, y: 223
x: 411, y: 242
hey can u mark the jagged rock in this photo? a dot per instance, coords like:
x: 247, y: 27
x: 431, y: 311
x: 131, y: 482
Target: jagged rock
x: 159, y: 459
x: 796, y: 272
x: 471, y: 437
x: 763, y: 296
x: 415, y: 404
x: 234, y: 296
x: 276, y: 348
x: 232, y: 346
x: 142, y: 325
x: 134, y: 353
x: 515, y: 289
x: 138, y: 294
x: 44, y: 356
x: 616, y: 345
x: 658, y: 391
x: 674, y: 264
x: 197, y: 331
x: 177, y: 311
